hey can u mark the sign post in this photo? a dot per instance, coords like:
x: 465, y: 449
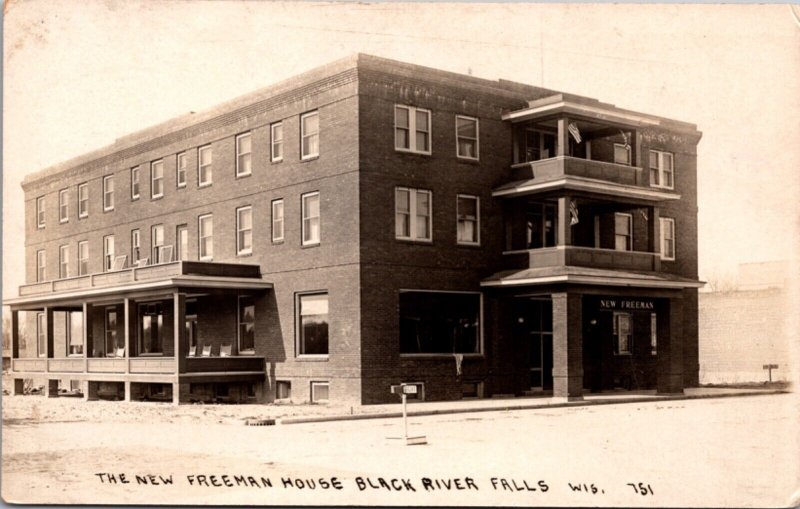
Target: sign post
x: 770, y: 367
x: 404, y: 390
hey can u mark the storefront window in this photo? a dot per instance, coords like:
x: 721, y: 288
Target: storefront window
x: 622, y: 334
x: 439, y: 323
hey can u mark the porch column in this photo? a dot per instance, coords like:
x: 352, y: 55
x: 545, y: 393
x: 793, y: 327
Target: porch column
x: 179, y: 329
x: 48, y: 320
x: 127, y: 304
x: 564, y: 232
x: 654, y: 236
x: 14, y: 337
x: 669, y: 327
x: 87, y: 345
x: 567, y: 346
x: 562, y: 140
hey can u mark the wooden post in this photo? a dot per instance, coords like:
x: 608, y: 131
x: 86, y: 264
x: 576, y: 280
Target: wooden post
x: 564, y: 232
x: 49, y: 348
x: 14, y: 337
x: 181, y: 348
x: 126, y: 312
x: 562, y: 141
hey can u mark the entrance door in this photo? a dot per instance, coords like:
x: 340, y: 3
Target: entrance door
x: 539, y: 322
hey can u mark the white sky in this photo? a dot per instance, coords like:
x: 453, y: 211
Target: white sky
x: 79, y: 75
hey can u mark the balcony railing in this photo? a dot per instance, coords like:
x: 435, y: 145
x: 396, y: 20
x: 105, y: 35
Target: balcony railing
x: 555, y: 167
x: 135, y: 365
x: 584, y: 257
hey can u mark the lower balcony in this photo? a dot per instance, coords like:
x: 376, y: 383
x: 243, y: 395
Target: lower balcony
x: 583, y: 257
x: 131, y: 367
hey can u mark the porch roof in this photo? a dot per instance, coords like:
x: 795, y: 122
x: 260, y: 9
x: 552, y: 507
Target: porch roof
x: 142, y: 280
x: 589, y: 276
x: 582, y: 184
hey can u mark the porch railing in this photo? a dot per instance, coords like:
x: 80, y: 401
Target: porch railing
x: 555, y: 167
x: 584, y: 257
x: 135, y: 365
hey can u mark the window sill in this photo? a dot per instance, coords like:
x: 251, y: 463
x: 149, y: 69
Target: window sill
x: 243, y: 175
x: 425, y: 242
x: 308, y: 246
x: 468, y: 244
x: 278, y: 242
x: 438, y: 356
x: 244, y: 254
x: 201, y: 186
x: 180, y: 186
x: 468, y: 160
x: 245, y: 353
x: 312, y: 358
x: 412, y: 152
x: 154, y: 198
x: 108, y: 210
x: 276, y: 161
x: 150, y: 355
x: 206, y: 259
x: 63, y: 221
x: 309, y: 158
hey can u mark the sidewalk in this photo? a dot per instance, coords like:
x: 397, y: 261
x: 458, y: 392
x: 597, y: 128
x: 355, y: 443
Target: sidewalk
x: 525, y: 403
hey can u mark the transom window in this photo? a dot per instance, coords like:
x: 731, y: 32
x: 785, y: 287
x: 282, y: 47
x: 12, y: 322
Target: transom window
x: 244, y: 230
x: 661, y: 169
x: 204, y: 166
x: 206, y: 237
x: 83, y: 200
x: 156, y: 243
x: 311, y: 218
x: 63, y: 261
x: 413, y: 214
x: 309, y: 135
x: 312, y: 324
x: 439, y: 322
x: 622, y: 334
x: 667, y: 228
x: 41, y: 265
x: 622, y: 154
x: 412, y: 129
x: 108, y: 192
x: 108, y: 252
x: 63, y: 206
x: 83, y: 257
x: 40, y: 212
x: 181, y: 163
x: 468, y: 219
x: 466, y: 137
x: 276, y: 135
x: 277, y: 220
x: 243, y: 155
x: 157, y: 179
x: 623, y: 232
x: 247, y: 324
x: 135, y: 183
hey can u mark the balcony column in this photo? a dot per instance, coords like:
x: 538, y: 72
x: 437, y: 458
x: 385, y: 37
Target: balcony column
x: 654, y: 236
x: 179, y: 329
x: 562, y: 140
x: 564, y: 231
x: 669, y: 334
x: 567, y: 346
x: 636, y: 152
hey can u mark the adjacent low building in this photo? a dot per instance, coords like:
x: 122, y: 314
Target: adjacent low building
x: 365, y: 224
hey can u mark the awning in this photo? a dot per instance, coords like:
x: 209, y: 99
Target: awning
x: 588, y: 276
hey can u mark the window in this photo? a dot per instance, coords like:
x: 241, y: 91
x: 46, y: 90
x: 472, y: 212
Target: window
x: 412, y: 214
x: 156, y: 243
x: 204, y: 166
x: 412, y: 131
x: 83, y: 257
x: 312, y: 324
x: 75, y: 331
x: 309, y: 135
x: 468, y: 219
x: 622, y: 334
x: 63, y: 206
x: 439, y: 323
x: 535, y: 145
x: 276, y: 134
x: 661, y: 169
x: 108, y: 192
x: 540, y: 223
x: 136, y: 244
x: 623, y: 232
x: 466, y: 137
x: 40, y: 212
x: 247, y: 324
x: 135, y: 183
x: 667, y: 227
x: 277, y: 220
x: 320, y: 392
x: 41, y: 335
x: 63, y: 262
x: 83, y: 200
x: 243, y: 156
x: 41, y: 265
x: 283, y: 389
x: 206, y: 236
x: 191, y: 324
x: 151, y: 328
x: 156, y: 179
x: 622, y: 153
x: 653, y: 334
x: 108, y: 252
x: 311, y: 219
x: 182, y: 239
x: 181, y: 164
x: 244, y: 230
x: 112, y: 343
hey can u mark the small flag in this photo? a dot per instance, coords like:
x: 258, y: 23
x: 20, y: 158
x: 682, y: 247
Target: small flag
x: 574, y: 131
x: 625, y: 137
x: 573, y: 213
x: 644, y: 214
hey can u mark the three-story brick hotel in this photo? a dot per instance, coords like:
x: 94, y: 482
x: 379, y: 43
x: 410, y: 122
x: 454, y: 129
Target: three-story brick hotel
x: 365, y: 224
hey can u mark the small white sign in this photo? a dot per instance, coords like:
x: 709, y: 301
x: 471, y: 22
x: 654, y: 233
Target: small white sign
x: 409, y: 389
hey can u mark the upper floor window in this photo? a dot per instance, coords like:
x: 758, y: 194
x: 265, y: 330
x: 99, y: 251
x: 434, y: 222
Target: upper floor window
x: 312, y: 324
x: 243, y: 156
x: 276, y: 135
x: 41, y: 265
x: 63, y: 262
x: 534, y: 145
x: 205, y: 230
x: 204, y: 166
x: 412, y: 129
x: 136, y: 245
x: 181, y: 163
x: 108, y: 192
x: 309, y: 135
x: 466, y: 137
x: 661, y: 169
x: 667, y: 227
x: 135, y: 183
x: 40, y: 212
x: 63, y: 206
x: 468, y: 219
x: 622, y: 153
x: 83, y: 257
x: 623, y: 232
x: 157, y: 244
x: 247, y: 324
x: 244, y: 230
x: 108, y: 252
x: 413, y: 214
x: 182, y: 239
x: 156, y: 179
x: 311, y: 218
x: 83, y: 200
x: 622, y: 334
x: 540, y: 225
x: 277, y: 220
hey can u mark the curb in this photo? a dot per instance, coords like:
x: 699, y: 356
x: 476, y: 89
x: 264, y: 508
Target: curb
x: 522, y: 406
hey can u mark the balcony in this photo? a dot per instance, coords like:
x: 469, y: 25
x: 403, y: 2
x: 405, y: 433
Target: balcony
x: 583, y: 257
x: 561, y: 166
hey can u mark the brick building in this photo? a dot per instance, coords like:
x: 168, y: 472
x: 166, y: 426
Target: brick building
x: 368, y: 223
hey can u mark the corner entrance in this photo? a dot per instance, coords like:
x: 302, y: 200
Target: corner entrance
x: 534, y: 317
